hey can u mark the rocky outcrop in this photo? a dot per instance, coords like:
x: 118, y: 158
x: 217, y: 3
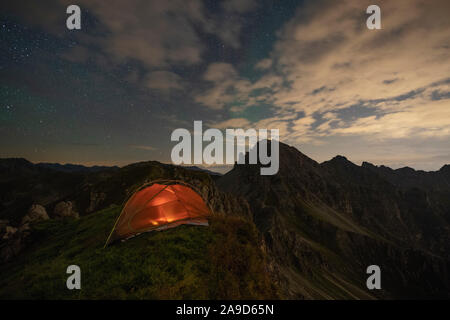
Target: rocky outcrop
x: 12, y: 240
x: 323, y: 224
x: 95, y: 200
x: 65, y: 209
x: 9, y: 232
x: 35, y: 213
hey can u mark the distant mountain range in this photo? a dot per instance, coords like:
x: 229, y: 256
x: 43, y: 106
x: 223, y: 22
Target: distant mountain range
x: 320, y: 224
x: 203, y: 170
x: 69, y: 167
x: 74, y: 167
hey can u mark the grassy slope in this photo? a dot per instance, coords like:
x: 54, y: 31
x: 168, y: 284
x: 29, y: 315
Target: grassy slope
x: 187, y: 262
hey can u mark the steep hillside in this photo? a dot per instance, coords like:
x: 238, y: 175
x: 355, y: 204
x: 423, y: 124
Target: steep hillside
x: 324, y: 224
x: 223, y: 261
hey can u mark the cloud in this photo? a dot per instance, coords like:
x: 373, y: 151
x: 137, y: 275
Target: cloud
x: 232, y: 123
x: 264, y: 64
x: 163, y: 33
x: 156, y: 33
x: 163, y: 80
x: 159, y: 34
x: 331, y: 61
x: 431, y: 119
x: 409, y: 53
x: 219, y: 72
x: 326, y: 62
x: 231, y: 90
x: 227, y: 87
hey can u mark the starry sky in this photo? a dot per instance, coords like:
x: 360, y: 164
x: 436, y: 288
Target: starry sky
x: 112, y: 92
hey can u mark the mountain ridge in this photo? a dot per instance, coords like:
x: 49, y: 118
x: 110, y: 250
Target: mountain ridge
x: 348, y: 211
x: 320, y: 224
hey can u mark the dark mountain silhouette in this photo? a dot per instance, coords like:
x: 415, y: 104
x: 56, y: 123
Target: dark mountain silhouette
x: 68, y: 167
x: 195, y: 168
x: 324, y: 224
x: 23, y: 183
x: 320, y: 225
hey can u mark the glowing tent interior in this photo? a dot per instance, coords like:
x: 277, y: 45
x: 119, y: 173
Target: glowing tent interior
x: 159, y: 206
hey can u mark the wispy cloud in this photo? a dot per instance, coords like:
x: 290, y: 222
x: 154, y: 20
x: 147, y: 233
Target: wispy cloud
x: 326, y: 61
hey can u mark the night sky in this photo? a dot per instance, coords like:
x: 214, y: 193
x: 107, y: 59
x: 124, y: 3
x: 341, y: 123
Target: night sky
x: 112, y: 92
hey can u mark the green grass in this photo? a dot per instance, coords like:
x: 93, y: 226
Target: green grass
x: 222, y: 261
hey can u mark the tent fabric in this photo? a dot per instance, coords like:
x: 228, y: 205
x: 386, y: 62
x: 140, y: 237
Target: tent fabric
x: 160, y: 206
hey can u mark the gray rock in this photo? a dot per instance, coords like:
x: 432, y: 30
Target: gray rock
x: 35, y: 214
x: 13, y: 241
x: 65, y: 209
x: 9, y: 232
x: 96, y: 199
x: 11, y: 246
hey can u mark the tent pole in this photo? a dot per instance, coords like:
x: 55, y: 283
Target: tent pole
x: 112, y: 230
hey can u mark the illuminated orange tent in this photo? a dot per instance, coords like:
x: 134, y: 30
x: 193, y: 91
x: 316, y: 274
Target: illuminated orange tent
x: 158, y: 206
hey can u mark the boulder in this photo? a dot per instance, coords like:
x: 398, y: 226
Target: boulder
x: 65, y: 209
x: 11, y: 244
x: 96, y: 199
x: 13, y: 241
x: 35, y: 214
x: 9, y: 232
